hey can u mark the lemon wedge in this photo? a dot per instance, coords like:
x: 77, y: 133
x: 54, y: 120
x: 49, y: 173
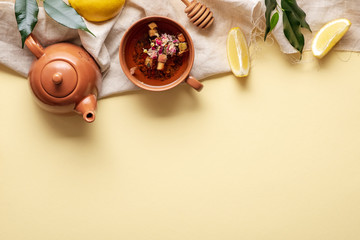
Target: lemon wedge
x: 238, y: 52
x: 329, y: 35
x: 97, y: 10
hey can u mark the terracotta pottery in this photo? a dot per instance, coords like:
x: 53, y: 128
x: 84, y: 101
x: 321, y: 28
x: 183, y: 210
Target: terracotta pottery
x: 136, y: 32
x: 63, y: 78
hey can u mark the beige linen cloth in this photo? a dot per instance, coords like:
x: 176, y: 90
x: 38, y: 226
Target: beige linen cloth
x: 210, y: 45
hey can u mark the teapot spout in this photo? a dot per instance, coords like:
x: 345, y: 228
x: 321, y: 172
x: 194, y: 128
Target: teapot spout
x: 87, y: 108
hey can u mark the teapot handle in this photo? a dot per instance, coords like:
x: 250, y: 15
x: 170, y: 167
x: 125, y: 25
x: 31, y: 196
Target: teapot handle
x: 34, y: 45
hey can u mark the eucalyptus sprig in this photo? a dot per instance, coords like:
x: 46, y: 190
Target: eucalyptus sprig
x: 26, y: 13
x: 293, y: 21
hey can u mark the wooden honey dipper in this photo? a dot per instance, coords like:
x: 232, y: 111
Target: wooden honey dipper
x: 199, y: 14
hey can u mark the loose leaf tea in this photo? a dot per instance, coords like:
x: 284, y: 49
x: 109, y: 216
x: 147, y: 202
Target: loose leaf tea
x: 159, y: 55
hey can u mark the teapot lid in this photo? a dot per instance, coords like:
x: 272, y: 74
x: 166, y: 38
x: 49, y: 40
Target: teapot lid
x: 59, y: 78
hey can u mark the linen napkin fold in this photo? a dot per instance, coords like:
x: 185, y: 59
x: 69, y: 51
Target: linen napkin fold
x: 320, y: 12
x: 210, y: 50
x: 210, y: 44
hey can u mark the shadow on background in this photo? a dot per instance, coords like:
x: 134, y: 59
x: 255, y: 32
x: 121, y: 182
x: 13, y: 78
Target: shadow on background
x: 171, y: 102
x: 67, y: 125
x: 243, y: 82
x: 165, y: 103
x: 343, y: 56
x: 9, y: 71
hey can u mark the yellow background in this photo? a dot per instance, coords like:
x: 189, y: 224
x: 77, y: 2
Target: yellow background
x: 274, y: 156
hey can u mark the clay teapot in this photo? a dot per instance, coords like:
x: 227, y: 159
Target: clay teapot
x: 64, y: 78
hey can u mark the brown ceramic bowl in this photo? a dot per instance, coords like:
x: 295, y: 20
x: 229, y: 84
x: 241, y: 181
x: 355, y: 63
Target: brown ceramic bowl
x: 127, y: 49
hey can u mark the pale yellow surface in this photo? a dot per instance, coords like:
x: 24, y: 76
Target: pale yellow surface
x: 273, y: 157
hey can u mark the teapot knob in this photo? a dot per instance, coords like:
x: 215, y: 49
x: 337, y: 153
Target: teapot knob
x: 57, y: 78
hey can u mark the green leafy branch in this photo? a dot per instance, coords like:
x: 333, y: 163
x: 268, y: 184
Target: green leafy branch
x: 26, y: 13
x: 293, y: 21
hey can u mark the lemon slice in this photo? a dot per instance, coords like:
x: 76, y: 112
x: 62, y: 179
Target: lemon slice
x: 329, y: 35
x: 238, y: 52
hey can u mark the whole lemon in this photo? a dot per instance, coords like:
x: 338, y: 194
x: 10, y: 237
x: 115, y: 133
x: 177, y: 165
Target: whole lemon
x: 97, y: 10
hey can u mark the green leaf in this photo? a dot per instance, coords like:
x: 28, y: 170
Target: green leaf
x: 270, y: 7
x: 292, y: 31
x: 293, y: 20
x: 26, y: 12
x: 65, y: 15
x: 274, y: 21
x: 299, y: 14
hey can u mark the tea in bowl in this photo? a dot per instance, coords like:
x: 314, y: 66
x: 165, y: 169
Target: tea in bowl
x: 156, y: 53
